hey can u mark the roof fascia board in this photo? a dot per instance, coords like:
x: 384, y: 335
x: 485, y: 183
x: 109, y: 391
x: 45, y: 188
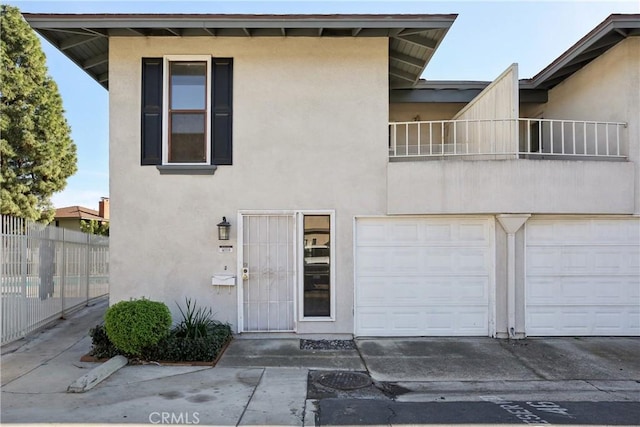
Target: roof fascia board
x: 62, y: 21
x: 611, y: 23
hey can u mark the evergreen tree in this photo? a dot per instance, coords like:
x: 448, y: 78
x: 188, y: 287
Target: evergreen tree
x: 92, y: 226
x: 37, y: 154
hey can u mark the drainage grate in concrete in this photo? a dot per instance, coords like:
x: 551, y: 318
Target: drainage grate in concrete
x: 342, y: 380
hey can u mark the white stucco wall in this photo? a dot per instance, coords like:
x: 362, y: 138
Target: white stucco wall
x: 607, y: 89
x: 309, y: 132
x: 510, y: 186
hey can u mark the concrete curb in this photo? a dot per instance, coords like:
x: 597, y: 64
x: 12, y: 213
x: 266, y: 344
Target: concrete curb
x: 97, y: 375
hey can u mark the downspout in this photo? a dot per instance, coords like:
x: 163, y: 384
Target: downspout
x: 511, y: 223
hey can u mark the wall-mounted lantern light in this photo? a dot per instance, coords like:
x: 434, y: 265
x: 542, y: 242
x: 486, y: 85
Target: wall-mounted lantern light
x: 223, y: 229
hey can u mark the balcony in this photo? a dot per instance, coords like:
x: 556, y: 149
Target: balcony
x: 495, y: 139
x: 512, y: 165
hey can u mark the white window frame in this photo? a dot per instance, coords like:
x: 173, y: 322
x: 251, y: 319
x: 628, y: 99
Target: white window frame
x: 332, y: 264
x: 167, y: 59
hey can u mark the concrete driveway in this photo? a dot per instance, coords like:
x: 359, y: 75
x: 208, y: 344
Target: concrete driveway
x: 268, y: 380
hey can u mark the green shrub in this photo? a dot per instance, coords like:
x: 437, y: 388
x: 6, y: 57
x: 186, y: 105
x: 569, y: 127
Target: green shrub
x: 196, y: 322
x: 102, y: 347
x: 133, y: 325
x: 177, y: 348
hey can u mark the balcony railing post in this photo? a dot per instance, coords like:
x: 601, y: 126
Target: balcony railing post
x: 419, y: 141
x: 430, y: 138
x: 406, y: 139
x: 606, y: 135
x: 562, y: 134
x: 540, y: 130
x: 455, y: 137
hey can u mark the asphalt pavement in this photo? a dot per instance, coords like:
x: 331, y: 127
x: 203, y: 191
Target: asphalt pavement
x: 271, y: 381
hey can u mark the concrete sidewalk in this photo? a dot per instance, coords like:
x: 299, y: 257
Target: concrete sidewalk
x: 265, y: 381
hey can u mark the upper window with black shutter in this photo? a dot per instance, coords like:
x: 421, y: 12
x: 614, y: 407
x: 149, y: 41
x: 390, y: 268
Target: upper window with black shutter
x: 186, y: 113
x: 187, y: 116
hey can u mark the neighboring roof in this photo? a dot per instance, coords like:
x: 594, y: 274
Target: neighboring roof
x: 614, y: 29
x: 458, y: 92
x: 607, y: 34
x: 84, y: 38
x: 78, y: 212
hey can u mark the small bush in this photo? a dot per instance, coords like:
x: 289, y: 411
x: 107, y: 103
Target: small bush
x: 102, y: 348
x: 133, y: 325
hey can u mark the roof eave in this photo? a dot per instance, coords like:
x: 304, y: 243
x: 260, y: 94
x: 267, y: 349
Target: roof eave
x: 614, y: 22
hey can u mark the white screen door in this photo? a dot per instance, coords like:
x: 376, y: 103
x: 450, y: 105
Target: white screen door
x: 269, y: 255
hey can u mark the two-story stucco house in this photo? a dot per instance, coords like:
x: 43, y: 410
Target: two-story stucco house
x: 362, y: 200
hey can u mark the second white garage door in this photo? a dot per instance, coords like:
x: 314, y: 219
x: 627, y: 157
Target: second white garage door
x: 583, y: 276
x: 424, y: 276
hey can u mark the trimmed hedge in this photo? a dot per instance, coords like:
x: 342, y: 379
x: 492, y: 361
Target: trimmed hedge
x: 197, y: 338
x: 133, y: 325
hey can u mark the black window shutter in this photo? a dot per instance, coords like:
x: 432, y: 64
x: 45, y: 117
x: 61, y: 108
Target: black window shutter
x: 151, y: 138
x: 221, y: 111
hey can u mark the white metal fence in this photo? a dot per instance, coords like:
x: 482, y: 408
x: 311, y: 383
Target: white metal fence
x: 530, y: 138
x: 47, y: 271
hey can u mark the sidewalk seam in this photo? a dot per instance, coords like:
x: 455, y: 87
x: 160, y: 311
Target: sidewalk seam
x: 364, y: 362
x: 251, y: 397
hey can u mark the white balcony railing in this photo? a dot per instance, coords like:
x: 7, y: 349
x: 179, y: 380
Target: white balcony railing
x: 508, y: 138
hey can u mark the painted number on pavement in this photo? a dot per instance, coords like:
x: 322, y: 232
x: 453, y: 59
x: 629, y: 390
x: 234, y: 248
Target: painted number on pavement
x: 525, y: 414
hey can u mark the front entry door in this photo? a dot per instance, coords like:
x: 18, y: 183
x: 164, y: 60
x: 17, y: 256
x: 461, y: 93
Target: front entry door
x: 268, y: 286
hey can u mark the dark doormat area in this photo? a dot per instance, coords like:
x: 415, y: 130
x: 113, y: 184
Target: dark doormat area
x: 348, y: 384
x: 327, y: 344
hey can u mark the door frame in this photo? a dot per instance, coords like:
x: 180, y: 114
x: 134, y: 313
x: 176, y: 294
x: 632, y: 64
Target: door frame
x: 240, y: 264
x: 299, y: 247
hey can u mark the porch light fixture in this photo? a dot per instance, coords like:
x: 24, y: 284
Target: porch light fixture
x: 223, y: 229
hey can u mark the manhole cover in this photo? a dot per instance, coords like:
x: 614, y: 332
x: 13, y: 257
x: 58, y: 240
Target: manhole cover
x: 345, y: 380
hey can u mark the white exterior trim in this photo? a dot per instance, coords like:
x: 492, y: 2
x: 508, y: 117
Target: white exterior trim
x: 332, y: 266
x: 165, y: 106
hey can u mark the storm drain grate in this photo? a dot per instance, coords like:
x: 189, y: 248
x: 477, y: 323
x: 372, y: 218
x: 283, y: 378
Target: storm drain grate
x: 345, y: 380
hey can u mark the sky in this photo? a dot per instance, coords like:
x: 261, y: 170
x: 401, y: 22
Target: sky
x: 485, y: 39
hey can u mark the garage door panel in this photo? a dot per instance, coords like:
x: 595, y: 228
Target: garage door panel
x: 423, y: 276
x: 581, y: 291
x: 615, y: 259
x: 418, y: 232
x: 582, y: 277
x: 580, y: 320
x: 424, y: 320
x: 411, y: 291
x: 579, y: 232
x: 379, y: 261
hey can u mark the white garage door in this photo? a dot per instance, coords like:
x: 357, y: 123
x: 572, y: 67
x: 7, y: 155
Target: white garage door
x: 424, y: 276
x: 583, y: 277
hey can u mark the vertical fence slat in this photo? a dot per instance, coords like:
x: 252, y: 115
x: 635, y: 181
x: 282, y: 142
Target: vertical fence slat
x: 45, y: 272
